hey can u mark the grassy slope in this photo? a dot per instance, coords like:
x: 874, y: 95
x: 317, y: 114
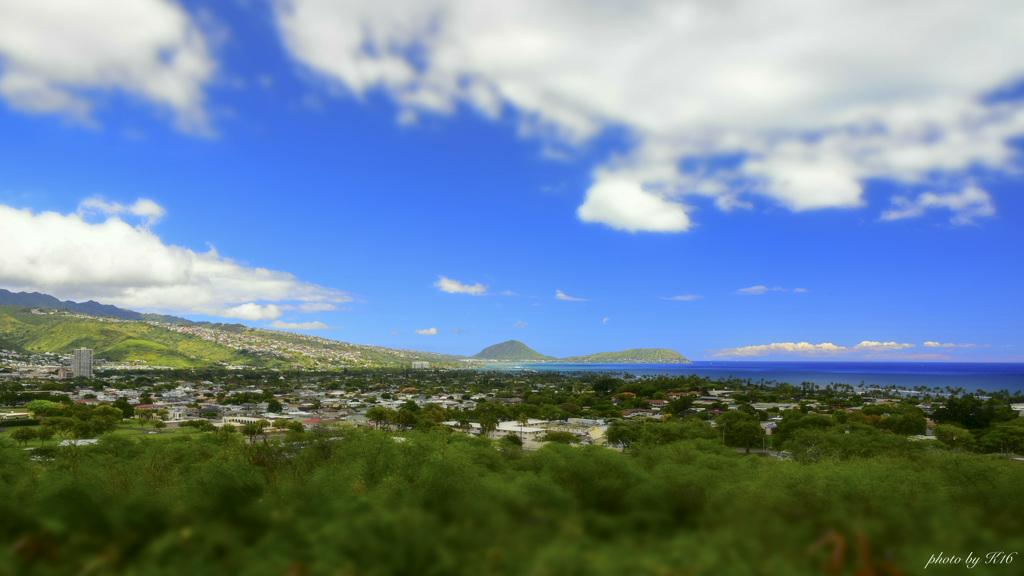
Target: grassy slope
x: 22, y: 331
x: 118, y: 341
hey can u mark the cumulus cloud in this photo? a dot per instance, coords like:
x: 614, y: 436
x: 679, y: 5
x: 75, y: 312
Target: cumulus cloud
x: 113, y: 262
x: 625, y: 205
x: 58, y: 54
x: 803, y: 348
x: 252, y: 311
x: 808, y: 349
x: 811, y: 99
x: 455, y: 287
x: 683, y: 298
x: 299, y: 325
x: 559, y: 295
x: 871, y: 346
x: 427, y: 332
x: 970, y: 203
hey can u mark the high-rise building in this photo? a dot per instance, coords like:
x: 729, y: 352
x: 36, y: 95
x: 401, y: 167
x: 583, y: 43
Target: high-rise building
x: 81, y: 364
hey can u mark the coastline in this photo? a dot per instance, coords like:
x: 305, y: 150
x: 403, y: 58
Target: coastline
x: 971, y: 376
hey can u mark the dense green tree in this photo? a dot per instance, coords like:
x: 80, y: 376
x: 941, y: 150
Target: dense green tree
x: 378, y: 415
x: 44, y: 433
x: 739, y: 429
x: 127, y: 410
x: 40, y: 407
x: 23, y: 435
x: 624, y: 433
x: 970, y: 412
x: 793, y: 420
x: 1004, y: 437
x: 955, y: 436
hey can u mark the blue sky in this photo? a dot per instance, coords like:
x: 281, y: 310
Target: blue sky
x: 746, y: 181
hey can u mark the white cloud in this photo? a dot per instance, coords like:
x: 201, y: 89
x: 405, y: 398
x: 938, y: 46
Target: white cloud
x: 758, y: 290
x: 143, y: 208
x: 811, y: 98
x: 605, y: 321
x: 252, y: 311
x: 519, y: 324
x: 427, y: 332
x: 807, y: 349
x: 683, y: 298
x: 455, y: 287
x: 309, y: 307
x: 909, y: 357
x: 459, y: 331
x: 113, y: 262
x: 871, y: 346
x: 970, y: 203
x: 509, y: 293
x: 625, y: 205
x: 395, y: 333
x: 299, y: 325
x: 933, y: 344
x: 559, y: 295
x: 803, y: 348
x: 57, y: 54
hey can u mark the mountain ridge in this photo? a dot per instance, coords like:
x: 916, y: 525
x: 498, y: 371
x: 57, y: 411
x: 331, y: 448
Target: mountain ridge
x: 90, y: 307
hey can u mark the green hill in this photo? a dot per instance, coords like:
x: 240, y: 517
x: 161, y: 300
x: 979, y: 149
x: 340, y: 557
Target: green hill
x: 632, y: 356
x: 184, y: 346
x: 513, y: 350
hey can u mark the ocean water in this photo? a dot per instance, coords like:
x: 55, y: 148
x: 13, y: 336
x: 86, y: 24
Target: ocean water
x: 971, y: 376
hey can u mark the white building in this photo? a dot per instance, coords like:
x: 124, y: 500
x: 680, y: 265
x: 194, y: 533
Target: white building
x: 81, y: 363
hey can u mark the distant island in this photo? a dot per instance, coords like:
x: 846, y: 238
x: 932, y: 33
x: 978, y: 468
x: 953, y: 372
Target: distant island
x: 516, y: 351
x: 631, y: 356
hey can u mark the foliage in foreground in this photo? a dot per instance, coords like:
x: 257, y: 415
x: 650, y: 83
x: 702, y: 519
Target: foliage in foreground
x: 442, y: 503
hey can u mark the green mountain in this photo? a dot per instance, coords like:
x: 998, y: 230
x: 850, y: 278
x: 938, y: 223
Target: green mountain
x: 37, y: 330
x: 513, y: 350
x: 631, y: 356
